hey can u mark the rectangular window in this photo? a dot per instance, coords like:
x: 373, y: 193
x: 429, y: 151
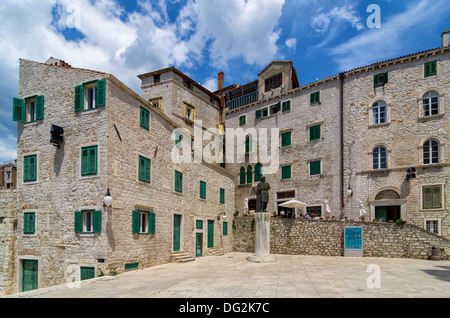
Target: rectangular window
x: 199, y: 224
x: 273, y: 82
x: 314, y: 211
x: 432, y: 197
x: 286, y: 106
x: 380, y: 80
x: 145, y: 118
x: 222, y: 195
x: 89, y: 161
x: 314, y: 133
x: 29, y: 223
x: 286, y: 139
x: 143, y: 222
x: 189, y: 112
x: 314, y: 98
x: 28, y: 110
x: 430, y: 68
x: 88, y: 221
x: 30, y: 168
x: 178, y: 181
x: 286, y: 172
x: 261, y: 113
x: 315, y: 168
x: 242, y: 120
x: 87, y: 273
x: 202, y: 190
x: 432, y: 226
x: 90, y: 95
x: 275, y: 108
x: 131, y: 266
x: 144, y: 169
x: 225, y: 228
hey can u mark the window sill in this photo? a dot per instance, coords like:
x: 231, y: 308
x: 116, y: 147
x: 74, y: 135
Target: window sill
x: 379, y: 125
x: 30, y: 182
x: 432, y: 210
x: 431, y: 117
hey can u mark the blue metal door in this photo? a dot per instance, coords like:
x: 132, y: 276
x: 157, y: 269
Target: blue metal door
x: 353, y: 238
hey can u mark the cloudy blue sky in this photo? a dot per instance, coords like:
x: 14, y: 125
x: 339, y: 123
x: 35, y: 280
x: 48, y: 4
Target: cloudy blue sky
x: 204, y: 37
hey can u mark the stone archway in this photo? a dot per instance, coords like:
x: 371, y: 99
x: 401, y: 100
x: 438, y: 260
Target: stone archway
x: 387, y: 205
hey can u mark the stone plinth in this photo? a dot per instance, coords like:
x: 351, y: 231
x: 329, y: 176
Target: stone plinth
x: 262, y: 239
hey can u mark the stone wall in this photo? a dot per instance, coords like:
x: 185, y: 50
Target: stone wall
x: 7, y: 240
x: 314, y: 237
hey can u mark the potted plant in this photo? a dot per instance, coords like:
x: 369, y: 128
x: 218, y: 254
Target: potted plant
x: 400, y: 222
x: 333, y: 218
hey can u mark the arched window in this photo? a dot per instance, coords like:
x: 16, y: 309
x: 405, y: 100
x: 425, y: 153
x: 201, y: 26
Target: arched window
x: 430, y: 102
x: 248, y: 144
x: 249, y: 174
x: 431, y: 152
x: 258, y: 172
x: 379, y: 113
x: 379, y: 158
x: 242, y: 176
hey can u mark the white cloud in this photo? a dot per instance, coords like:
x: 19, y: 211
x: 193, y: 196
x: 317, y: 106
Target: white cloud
x: 291, y: 43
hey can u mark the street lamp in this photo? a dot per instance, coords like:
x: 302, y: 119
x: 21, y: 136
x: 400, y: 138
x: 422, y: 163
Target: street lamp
x: 107, y: 200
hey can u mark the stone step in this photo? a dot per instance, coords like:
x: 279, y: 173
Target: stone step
x: 181, y: 257
x: 214, y: 252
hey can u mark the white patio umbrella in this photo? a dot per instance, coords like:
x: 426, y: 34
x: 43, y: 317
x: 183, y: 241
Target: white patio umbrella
x: 362, y: 210
x: 293, y: 204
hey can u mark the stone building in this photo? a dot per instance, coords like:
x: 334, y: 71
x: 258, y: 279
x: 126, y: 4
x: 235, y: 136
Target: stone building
x: 83, y: 136
x: 374, y: 137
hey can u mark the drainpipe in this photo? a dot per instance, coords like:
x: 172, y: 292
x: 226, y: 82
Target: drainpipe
x: 341, y: 119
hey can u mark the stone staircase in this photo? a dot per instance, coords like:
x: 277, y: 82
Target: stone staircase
x: 181, y: 257
x: 214, y: 252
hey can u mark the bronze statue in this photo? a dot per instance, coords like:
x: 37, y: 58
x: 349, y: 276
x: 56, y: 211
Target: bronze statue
x: 262, y: 195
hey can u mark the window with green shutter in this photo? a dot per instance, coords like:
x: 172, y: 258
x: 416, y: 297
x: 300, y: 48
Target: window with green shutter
x: 143, y: 222
x: 89, y: 160
x: 286, y: 139
x: 88, y: 221
x: 380, y: 80
x: 286, y: 106
x: 432, y: 197
x: 144, y: 169
x: 314, y: 98
x: 225, y: 228
x: 145, y: 118
x: 28, y: 110
x: 222, y: 195
x: 314, y: 133
x: 242, y: 176
x: 131, y: 266
x: 249, y: 174
x: 202, y: 190
x: 178, y: 181
x: 430, y: 68
x: 18, y: 109
x: 199, y: 224
x: 314, y: 167
x: 258, y: 172
x: 87, y: 273
x: 29, y: 223
x: 242, y: 120
x: 248, y: 144
x: 90, y: 95
x: 258, y: 114
x: 30, y: 168
x: 286, y: 172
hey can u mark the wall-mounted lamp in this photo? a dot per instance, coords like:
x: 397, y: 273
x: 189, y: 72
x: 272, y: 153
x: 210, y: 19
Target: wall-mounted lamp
x: 410, y: 173
x: 56, y: 135
x: 349, y: 191
x: 223, y: 215
x: 107, y: 200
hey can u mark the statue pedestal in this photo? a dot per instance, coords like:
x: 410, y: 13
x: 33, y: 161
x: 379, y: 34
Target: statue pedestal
x: 262, y: 239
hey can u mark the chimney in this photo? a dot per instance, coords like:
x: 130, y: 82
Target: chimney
x: 445, y: 36
x: 221, y: 80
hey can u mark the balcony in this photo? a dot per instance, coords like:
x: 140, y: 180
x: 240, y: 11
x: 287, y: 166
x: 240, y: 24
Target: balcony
x: 243, y: 100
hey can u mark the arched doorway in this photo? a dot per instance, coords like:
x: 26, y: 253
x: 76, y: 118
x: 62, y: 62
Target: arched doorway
x: 387, y: 205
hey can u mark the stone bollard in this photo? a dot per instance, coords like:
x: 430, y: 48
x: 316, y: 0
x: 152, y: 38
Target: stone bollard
x: 435, y: 253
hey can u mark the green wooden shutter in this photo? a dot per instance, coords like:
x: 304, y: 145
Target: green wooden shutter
x: 97, y: 221
x: 258, y: 172
x: 286, y: 106
x: 101, y: 93
x: 29, y: 168
x: 258, y: 113
x: 286, y: 139
x: 242, y: 176
x: 242, y: 120
x: 249, y: 175
x: 314, y: 133
x: 199, y: 224
x: 225, y: 228
x: 152, y: 223
x: 314, y: 167
x: 144, y: 169
x: 386, y: 78
x: 222, y: 195
x: 87, y: 273
x: 437, y: 200
x: 286, y: 172
x: 381, y: 213
x: 93, y: 160
x: 18, y: 110
x: 144, y: 118
x: 202, y: 190
x: 79, y: 98
x: 39, y: 107
x: 248, y: 144
x: 375, y: 81
x: 178, y: 181
x: 135, y: 222
x: 278, y: 107
x: 84, y: 161
x: 78, y: 222
x: 29, y: 221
